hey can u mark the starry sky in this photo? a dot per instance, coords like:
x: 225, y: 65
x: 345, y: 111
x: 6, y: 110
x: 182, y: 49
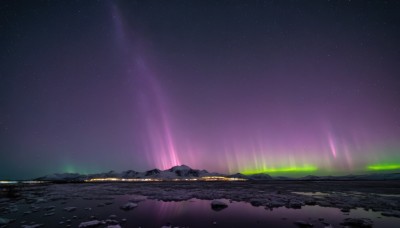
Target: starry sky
x: 283, y: 87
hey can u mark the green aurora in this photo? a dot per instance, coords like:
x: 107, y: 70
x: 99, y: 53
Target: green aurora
x: 282, y: 170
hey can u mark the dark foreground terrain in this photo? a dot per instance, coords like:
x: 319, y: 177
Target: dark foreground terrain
x: 203, y: 204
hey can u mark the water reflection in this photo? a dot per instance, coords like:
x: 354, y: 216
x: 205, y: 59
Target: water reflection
x: 198, y: 213
x: 190, y: 213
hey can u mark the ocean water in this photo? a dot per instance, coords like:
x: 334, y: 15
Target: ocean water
x: 188, y: 213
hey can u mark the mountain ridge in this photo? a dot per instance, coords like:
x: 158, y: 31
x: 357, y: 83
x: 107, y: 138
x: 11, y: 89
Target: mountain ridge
x: 186, y: 172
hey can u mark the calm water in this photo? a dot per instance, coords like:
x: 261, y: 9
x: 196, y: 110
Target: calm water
x: 191, y: 213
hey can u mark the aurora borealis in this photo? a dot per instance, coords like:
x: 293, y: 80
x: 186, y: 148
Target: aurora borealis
x: 281, y: 87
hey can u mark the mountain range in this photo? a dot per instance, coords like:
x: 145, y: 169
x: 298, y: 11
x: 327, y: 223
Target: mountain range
x: 176, y: 172
x: 185, y: 172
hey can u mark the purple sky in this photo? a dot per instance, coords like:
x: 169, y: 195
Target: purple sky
x: 226, y: 86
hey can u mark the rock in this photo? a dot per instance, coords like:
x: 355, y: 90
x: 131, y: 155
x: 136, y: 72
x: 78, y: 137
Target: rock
x: 41, y: 200
x: 325, y: 223
x: 276, y: 203
x: 303, y: 224
x: 129, y: 206
x: 295, y: 204
x: 4, y: 221
x: 391, y: 214
x: 310, y: 202
x: 257, y: 202
x: 218, y: 205
x: 69, y: 209
x: 357, y: 222
x: 35, y: 210
x: 345, y: 210
x: 49, y: 214
x: 93, y: 223
x: 50, y: 208
x: 112, y: 216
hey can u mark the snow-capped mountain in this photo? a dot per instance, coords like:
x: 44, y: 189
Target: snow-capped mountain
x: 129, y: 174
x: 152, y: 172
x: 176, y: 172
x: 185, y: 172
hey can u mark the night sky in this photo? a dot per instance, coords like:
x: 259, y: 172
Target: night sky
x: 282, y: 87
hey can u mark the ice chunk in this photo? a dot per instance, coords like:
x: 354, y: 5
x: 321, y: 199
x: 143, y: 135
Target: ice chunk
x: 69, y: 209
x: 112, y: 222
x: 49, y: 214
x: 391, y: 214
x: 92, y: 223
x: 4, y: 221
x: 114, y: 226
x: 129, y: 206
x: 49, y: 208
x: 32, y: 226
x: 295, y: 204
x: 303, y: 224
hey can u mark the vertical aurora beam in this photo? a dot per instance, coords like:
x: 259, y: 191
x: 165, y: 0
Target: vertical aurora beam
x: 160, y: 146
x: 332, y: 145
x: 153, y: 107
